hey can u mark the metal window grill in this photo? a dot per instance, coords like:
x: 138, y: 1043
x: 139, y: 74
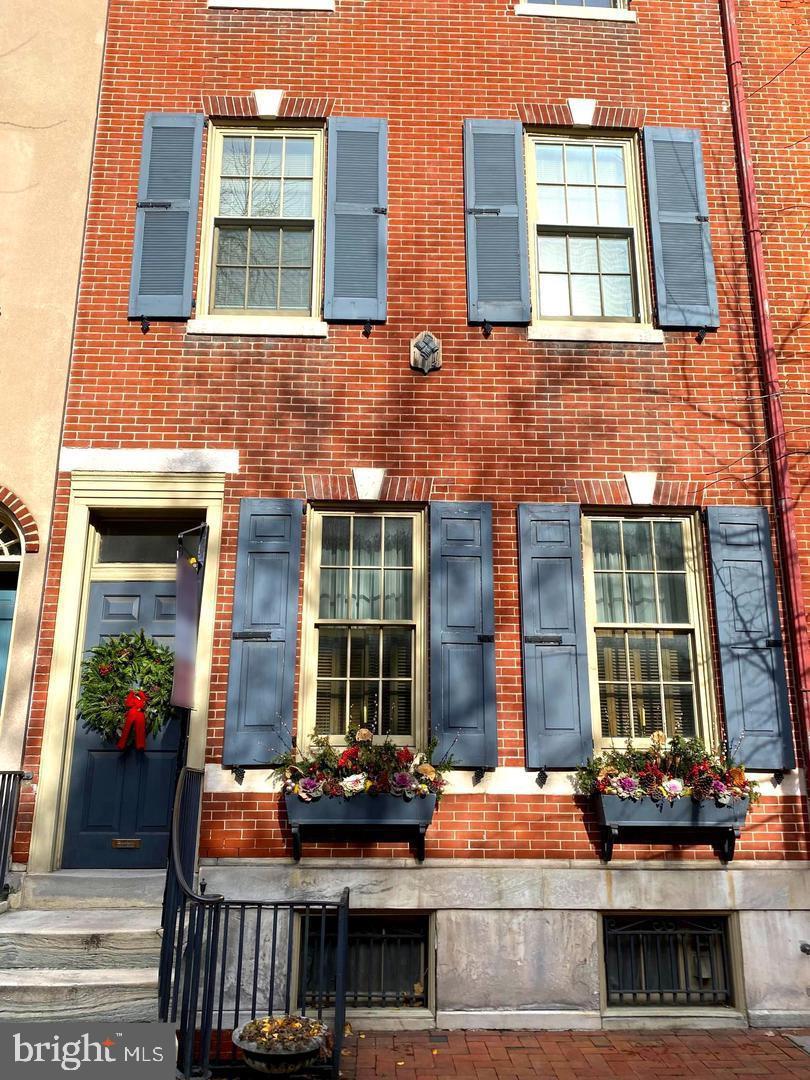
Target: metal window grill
x: 387, y: 960
x: 667, y: 961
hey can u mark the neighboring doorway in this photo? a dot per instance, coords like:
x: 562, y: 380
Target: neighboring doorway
x: 120, y: 802
x: 10, y: 554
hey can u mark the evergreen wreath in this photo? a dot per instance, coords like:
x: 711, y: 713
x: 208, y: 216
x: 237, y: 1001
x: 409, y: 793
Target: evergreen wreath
x: 115, y: 667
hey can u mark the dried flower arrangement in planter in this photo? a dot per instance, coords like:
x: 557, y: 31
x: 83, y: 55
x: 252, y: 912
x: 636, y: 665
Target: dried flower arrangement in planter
x: 282, y: 1045
x: 678, y: 769
x: 369, y: 790
x: 364, y: 767
x: 676, y: 784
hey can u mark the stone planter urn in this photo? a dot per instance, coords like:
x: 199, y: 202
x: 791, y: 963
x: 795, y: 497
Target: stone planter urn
x: 680, y: 821
x: 361, y: 818
x: 279, y: 1061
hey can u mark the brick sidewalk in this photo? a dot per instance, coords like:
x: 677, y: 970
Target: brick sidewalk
x: 498, y: 1055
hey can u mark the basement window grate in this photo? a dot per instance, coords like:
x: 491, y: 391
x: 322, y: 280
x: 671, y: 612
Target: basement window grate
x: 388, y: 965
x: 667, y: 960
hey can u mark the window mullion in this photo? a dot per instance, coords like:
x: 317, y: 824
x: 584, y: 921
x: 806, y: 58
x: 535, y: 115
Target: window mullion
x: 250, y: 174
x: 625, y: 589
x: 349, y: 580
x: 631, y: 714
x: 380, y: 683
x: 655, y: 575
x: 246, y: 293
x: 599, y: 269
x: 661, y: 690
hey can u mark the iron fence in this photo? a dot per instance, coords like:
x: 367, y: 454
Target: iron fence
x: 225, y: 961
x: 10, y: 784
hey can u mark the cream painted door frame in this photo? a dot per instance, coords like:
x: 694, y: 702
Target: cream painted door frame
x: 179, y: 492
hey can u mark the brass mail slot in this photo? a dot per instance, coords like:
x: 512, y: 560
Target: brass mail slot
x: 133, y: 843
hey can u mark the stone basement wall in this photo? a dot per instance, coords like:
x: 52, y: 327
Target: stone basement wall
x: 519, y: 946
x: 505, y: 420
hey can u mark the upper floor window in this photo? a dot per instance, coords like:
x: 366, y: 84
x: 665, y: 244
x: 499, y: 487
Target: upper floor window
x: 262, y: 231
x: 646, y: 640
x: 586, y: 230
x: 366, y: 585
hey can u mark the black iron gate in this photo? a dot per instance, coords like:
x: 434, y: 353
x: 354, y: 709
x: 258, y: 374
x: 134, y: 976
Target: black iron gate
x: 225, y: 961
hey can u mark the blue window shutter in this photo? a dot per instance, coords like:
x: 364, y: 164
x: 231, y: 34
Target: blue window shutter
x: 495, y: 212
x: 752, y: 658
x: 356, y: 280
x: 259, y: 712
x: 166, y: 216
x: 685, y: 283
x: 555, y: 647
x: 462, y: 634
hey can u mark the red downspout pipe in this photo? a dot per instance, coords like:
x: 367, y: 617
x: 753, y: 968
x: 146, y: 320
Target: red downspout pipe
x: 793, y: 594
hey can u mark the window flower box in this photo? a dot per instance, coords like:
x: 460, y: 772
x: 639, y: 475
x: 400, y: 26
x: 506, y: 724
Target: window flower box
x: 681, y: 821
x: 677, y: 791
x: 373, y: 790
x: 363, y: 817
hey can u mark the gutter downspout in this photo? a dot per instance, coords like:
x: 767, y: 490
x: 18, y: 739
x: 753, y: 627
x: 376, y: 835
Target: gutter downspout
x: 784, y: 504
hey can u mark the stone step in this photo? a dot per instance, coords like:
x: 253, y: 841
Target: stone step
x: 83, y: 938
x: 71, y: 889
x: 108, y: 994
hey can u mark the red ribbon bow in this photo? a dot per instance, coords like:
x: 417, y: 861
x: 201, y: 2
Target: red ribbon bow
x: 135, y: 703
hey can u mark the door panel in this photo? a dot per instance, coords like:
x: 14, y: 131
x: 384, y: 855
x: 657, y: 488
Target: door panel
x: 123, y: 795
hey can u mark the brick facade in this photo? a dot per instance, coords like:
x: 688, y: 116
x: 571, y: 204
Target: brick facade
x: 506, y: 419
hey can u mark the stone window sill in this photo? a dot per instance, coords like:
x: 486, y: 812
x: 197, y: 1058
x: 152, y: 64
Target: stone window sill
x: 555, y: 11
x: 711, y: 1016
x: 596, y: 331
x: 276, y: 5
x: 257, y: 326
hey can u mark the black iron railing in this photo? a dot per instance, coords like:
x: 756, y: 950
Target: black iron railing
x: 661, y: 960
x: 225, y: 961
x: 10, y: 783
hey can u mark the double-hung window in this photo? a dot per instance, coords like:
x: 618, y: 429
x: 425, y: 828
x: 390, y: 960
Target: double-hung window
x: 365, y: 614
x: 646, y: 637
x: 262, y: 232
x: 587, y: 249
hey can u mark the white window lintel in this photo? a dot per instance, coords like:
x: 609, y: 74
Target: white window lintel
x: 276, y: 5
x: 559, y: 11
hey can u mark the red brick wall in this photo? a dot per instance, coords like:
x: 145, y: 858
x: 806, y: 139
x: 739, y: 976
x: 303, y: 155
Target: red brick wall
x: 774, y: 36
x: 506, y: 420
x: 254, y: 825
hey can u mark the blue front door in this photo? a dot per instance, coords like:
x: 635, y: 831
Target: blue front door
x: 120, y: 802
